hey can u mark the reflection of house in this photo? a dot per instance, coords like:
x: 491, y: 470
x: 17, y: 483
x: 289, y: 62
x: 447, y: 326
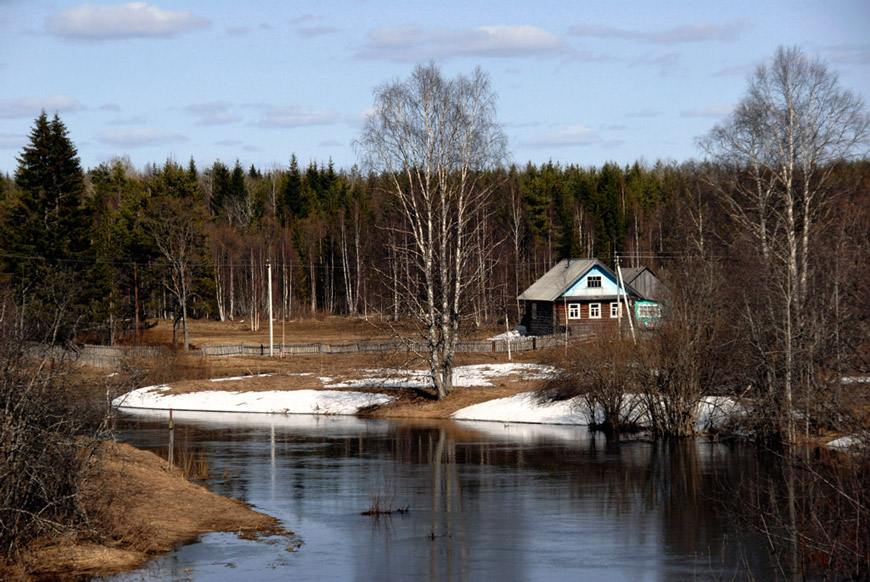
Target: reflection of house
x: 584, y: 295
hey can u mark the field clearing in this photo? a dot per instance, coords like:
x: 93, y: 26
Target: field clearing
x: 193, y: 372
x: 328, y: 330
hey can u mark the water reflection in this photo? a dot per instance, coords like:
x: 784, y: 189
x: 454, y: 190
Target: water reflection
x: 517, y: 502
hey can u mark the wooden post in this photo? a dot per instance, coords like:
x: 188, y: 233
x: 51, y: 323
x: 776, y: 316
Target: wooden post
x: 507, y: 329
x: 621, y: 286
x: 271, y: 329
x: 171, y: 441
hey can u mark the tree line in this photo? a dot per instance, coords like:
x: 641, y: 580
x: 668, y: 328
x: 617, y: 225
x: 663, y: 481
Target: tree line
x: 763, y: 247
x: 113, y: 246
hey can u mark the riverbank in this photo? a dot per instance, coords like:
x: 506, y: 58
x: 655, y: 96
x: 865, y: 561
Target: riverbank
x: 136, y: 509
x: 374, y: 393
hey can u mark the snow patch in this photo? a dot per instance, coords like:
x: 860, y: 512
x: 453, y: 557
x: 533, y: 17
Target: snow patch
x: 855, y: 380
x: 852, y: 442
x: 527, y: 408
x: 464, y: 376
x: 231, y: 378
x: 524, y: 407
x: 272, y: 401
x: 517, y: 332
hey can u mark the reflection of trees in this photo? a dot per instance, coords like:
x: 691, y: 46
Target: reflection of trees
x: 475, y: 499
x: 670, y: 490
x: 812, y: 514
x: 447, y: 516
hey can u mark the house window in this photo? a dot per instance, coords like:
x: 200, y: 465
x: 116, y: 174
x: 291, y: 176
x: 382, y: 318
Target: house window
x: 615, y: 309
x: 593, y: 281
x: 595, y: 310
x: 573, y: 311
x: 649, y: 311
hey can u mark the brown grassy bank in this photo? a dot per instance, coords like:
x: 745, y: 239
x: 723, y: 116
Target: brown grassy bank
x: 137, y: 510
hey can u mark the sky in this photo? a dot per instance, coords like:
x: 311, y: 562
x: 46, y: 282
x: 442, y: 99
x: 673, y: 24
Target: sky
x: 578, y: 82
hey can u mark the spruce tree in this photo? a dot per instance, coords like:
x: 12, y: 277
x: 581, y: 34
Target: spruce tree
x: 46, y: 235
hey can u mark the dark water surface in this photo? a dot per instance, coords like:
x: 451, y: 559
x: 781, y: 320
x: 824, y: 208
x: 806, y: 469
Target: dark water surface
x: 486, y: 501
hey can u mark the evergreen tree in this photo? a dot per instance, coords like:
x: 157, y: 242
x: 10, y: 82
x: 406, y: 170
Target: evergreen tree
x: 289, y: 202
x: 120, y: 239
x: 47, y: 236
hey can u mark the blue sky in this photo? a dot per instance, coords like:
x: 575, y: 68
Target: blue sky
x: 578, y: 82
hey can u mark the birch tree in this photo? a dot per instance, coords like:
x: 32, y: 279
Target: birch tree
x: 433, y: 137
x: 775, y: 156
x: 177, y: 226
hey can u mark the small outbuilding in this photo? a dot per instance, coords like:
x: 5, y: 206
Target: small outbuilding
x: 579, y: 296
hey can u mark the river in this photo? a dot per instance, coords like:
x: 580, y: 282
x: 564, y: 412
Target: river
x: 486, y: 501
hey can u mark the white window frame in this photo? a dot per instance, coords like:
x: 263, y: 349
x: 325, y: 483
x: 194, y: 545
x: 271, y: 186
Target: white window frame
x: 615, y: 309
x: 596, y: 279
x: 575, y: 309
x: 649, y: 311
x: 593, y: 309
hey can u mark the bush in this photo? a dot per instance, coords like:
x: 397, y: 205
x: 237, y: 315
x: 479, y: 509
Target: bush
x: 48, y: 425
x: 605, y: 375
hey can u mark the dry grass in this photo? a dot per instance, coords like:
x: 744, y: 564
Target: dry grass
x: 335, y: 330
x: 305, y: 372
x: 140, y: 509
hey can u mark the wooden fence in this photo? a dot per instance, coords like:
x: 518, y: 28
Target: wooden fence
x: 113, y: 356
x: 521, y: 344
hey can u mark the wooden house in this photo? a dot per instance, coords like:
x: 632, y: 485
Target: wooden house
x: 578, y: 296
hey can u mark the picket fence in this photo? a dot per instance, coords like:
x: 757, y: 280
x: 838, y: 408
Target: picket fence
x: 522, y: 344
x: 113, y: 356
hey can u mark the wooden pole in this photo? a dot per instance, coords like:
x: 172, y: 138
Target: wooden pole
x: 271, y: 330
x: 171, y: 441
x: 507, y: 329
x: 625, y: 297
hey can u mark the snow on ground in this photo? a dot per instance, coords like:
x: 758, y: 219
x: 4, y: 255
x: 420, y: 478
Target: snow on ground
x: 465, y: 376
x: 521, y: 408
x: 525, y: 407
x: 271, y: 401
x: 231, y: 378
x: 516, y: 333
x: 318, y: 401
x: 855, y: 380
x: 852, y: 442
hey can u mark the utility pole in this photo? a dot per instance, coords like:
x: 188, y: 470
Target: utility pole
x: 621, y: 287
x: 269, y: 287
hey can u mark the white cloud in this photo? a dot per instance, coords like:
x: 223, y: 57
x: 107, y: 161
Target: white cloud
x: 411, y: 43
x: 33, y: 106
x: 134, y: 120
x: 131, y: 20
x: 572, y: 135
x: 294, y: 116
x: 314, y: 31
x: 646, y: 112
x: 12, y: 142
x: 736, y: 70
x: 213, y: 113
x: 714, y: 111
x: 849, y: 54
x: 695, y: 32
x: 140, y: 137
